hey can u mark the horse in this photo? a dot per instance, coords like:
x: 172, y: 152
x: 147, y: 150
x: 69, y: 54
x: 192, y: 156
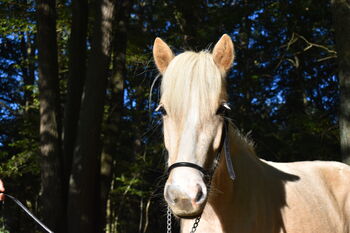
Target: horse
x: 254, y: 195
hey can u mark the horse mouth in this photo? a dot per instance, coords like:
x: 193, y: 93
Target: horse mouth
x: 187, y: 213
x: 190, y: 216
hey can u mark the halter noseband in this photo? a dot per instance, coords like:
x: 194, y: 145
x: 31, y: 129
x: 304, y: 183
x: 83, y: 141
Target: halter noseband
x: 223, y: 145
x: 187, y: 164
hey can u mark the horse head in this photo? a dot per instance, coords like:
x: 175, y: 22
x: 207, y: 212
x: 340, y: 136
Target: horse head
x: 193, y: 94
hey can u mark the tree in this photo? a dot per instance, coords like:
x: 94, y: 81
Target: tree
x: 84, y: 180
x: 341, y: 16
x: 115, y: 105
x: 76, y: 78
x: 50, y: 118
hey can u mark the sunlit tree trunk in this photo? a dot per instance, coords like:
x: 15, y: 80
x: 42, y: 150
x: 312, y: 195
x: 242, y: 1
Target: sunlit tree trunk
x: 49, y: 116
x: 341, y: 15
x: 83, y: 200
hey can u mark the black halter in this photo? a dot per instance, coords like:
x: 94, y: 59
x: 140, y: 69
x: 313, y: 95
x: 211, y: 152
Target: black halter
x: 187, y: 164
x: 224, y: 144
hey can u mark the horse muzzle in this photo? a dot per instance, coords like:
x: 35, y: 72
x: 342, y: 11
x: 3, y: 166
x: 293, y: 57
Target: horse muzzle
x: 188, y: 201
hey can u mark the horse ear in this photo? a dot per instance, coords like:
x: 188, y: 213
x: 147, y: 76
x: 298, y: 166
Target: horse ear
x: 223, y: 53
x: 162, y: 54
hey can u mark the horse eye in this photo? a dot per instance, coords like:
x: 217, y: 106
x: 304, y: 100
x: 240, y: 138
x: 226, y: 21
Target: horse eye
x: 161, y: 109
x: 223, y: 109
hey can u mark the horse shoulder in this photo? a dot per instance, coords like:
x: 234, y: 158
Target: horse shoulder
x: 336, y: 178
x: 320, y: 196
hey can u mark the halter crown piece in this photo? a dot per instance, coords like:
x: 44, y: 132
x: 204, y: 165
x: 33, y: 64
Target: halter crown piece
x: 224, y: 145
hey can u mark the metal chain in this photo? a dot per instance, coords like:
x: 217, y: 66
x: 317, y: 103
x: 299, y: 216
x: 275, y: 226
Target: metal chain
x: 195, y: 224
x: 168, y: 220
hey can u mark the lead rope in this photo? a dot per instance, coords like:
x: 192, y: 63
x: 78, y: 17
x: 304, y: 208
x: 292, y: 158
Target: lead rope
x: 2, y: 215
x: 29, y: 213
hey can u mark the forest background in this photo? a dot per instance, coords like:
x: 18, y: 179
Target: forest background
x: 80, y: 143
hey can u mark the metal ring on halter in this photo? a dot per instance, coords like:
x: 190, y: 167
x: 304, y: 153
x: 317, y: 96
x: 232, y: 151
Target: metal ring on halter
x: 187, y: 164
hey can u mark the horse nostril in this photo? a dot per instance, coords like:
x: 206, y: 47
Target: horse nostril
x: 175, y: 200
x: 169, y: 196
x: 200, y: 195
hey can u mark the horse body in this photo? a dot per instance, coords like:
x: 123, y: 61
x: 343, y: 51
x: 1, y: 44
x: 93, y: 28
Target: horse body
x: 269, y: 197
x: 265, y: 197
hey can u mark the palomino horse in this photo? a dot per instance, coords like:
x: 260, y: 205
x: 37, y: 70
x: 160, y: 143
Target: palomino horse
x: 265, y: 197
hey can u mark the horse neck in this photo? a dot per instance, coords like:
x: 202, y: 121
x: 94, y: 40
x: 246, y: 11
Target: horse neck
x: 237, y: 203
x: 246, y: 164
x: 252, y: 202
x: 226, y: 195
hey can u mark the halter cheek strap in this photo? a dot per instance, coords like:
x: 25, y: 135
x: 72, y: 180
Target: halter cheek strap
x: 229, y: 163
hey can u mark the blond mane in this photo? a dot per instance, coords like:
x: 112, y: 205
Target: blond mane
x: 192, y: 80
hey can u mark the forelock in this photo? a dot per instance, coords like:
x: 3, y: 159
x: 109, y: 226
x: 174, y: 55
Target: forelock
x: 192, y: 80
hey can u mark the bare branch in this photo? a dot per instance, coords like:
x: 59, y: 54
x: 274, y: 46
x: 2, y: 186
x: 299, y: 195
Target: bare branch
x: 310, y: 44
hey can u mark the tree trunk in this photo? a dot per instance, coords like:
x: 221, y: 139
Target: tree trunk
x: 84, y: 180
x: 111, y: 145
x: 77, y: 72
x: 49, y: 115
x: 341, y: 15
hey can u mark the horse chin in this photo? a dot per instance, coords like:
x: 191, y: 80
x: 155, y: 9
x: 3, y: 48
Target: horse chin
x: 188, y: 214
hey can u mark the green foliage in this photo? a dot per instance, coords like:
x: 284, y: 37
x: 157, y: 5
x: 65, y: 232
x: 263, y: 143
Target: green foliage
x: 24, y: 162
x: 17, y: 17
x: 2, y: 228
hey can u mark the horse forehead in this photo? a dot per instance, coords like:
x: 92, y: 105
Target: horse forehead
x: 192, y: 81
x: 194, y: 116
